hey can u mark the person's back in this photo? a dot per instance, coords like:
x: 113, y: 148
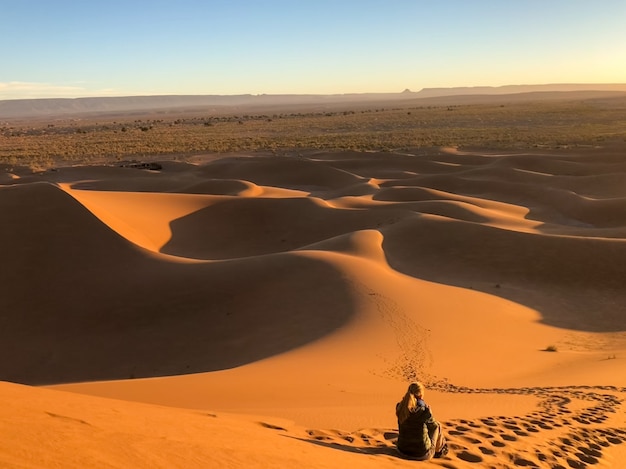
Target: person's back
x: 419, y: 434
x: 413, y: 439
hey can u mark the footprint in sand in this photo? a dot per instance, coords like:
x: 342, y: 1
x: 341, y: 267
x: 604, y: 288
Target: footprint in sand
x: 486, y: 450
x: 415, y: 357
x: 560, y: 435
x: 465, y: 455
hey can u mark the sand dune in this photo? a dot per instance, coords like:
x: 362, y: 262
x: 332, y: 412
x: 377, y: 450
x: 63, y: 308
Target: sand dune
x: 310, y: 290
x: 83, y: 303
x: 289, y: 173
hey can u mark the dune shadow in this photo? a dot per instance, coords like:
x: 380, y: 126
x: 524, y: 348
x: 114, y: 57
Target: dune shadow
x: 81, y: 303
x: 174, y: 320
x: 366, y: 450
x: 573, y: 282
x: 244, y: 227
x: 569, y: 266
x: 280, y: 171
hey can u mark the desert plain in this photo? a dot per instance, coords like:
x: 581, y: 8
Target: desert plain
x: 267, y: 309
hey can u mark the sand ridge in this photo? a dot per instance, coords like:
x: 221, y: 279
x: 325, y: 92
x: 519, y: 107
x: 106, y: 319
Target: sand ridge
x: 321, y: 284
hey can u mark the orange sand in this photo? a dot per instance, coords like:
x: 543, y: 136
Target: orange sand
x: 261, y: 311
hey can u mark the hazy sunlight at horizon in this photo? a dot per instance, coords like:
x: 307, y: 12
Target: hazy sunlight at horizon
x: 69, y: 49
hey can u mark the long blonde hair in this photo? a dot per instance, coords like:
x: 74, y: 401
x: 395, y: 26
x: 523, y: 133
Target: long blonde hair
x: 408, y: 403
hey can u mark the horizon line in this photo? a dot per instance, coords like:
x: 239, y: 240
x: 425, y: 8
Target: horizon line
x: 356, y: 93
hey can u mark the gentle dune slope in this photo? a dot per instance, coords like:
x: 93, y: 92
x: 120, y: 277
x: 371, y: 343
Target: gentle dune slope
x: 572, y: 427
x: 313, y: 288
x: 45, y: 429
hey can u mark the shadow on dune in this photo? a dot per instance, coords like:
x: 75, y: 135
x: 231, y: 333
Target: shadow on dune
x: 569, y: 194
x: 572, y: 269
x: 81, y: 303
x: 242, y: 227
x: 279, y: 171
x: 575, y: 283
x: 370, y: 450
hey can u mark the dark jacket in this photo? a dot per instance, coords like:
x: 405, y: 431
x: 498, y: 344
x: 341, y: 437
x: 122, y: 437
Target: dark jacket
x: 414, y: 433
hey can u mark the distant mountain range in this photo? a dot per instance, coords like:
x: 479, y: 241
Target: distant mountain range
x: 516, y: 89
x: 75, y: 107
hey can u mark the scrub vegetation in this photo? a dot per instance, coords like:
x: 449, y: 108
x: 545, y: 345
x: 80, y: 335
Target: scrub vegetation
x: 522, y: 125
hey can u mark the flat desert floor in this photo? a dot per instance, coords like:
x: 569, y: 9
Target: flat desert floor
x: 265, y: 311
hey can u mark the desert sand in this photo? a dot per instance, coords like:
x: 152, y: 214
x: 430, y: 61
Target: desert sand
x: 266, y: 311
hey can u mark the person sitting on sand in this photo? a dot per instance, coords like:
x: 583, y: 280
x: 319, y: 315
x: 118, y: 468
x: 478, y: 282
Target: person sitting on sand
x: 419, y: 435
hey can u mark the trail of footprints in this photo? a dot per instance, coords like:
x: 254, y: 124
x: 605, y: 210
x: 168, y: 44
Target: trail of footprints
x: 560, y: 437
x: 556, y: 436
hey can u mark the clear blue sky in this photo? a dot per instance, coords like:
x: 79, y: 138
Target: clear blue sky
x: 132, y: 47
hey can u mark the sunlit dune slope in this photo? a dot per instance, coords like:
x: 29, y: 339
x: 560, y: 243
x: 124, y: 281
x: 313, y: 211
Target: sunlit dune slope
x: 48, y: 429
